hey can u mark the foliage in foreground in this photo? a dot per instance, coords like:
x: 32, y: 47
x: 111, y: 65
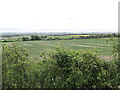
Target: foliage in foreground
x: 58, y: 68
x: 15, y: 64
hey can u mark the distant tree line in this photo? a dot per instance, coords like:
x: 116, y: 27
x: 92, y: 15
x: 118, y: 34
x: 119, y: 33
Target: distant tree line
x: 35, y: 37
x: 47, y: 37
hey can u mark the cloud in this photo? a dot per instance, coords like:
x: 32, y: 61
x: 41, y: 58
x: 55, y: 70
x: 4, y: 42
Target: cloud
x: 58, y: 15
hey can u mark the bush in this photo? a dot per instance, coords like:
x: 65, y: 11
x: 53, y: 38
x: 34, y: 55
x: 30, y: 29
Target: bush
x: 15, y: 65
x: 57, y: 68
x: 33, y: 37
x: 25, y: 39
x: 66, y: 68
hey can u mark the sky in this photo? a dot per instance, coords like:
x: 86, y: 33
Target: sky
x: 59, y: 15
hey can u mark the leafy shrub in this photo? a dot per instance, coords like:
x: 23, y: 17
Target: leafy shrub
x: 67, y: 68
x: 33, y: 37
x: 25, y: 39
x: 116, y: 53
x: 57, y: 68
x: 15, y: 65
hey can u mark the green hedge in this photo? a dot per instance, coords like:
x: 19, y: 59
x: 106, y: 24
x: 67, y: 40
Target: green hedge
x: 57, y: 68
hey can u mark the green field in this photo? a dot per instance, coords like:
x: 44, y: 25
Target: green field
x: 61, y: 67
x: 8, y: 39
x: 35, y: 47
x: 61, y: 37
x: 66, y: 37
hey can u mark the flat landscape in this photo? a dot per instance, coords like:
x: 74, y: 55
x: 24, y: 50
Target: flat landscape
x: 37, y: 43
x: 59, y: 44
x: 84, y: 61
x: 35, y: 47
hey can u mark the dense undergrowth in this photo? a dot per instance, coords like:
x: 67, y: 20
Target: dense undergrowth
x: 58, y: 68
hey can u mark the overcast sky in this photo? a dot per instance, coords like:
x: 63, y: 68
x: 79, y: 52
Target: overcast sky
x: 59, y: 15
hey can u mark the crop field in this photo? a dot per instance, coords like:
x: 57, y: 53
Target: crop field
x: 35, y: 47
x: 60, y: 37
x: 79, y: 35
x: 68, y: 36
x: 62, y: 66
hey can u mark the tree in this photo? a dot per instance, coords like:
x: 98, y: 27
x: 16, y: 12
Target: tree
x: 25, y: 39
x: 33, y: 37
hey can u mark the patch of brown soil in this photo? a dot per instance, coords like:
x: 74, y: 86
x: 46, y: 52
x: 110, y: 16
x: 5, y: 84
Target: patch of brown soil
x: 98, y: 44
x: 83, y: 45
x: 49, y: 44
x: 28, y: 45
x: 45, y: 44
x: 38, y: 41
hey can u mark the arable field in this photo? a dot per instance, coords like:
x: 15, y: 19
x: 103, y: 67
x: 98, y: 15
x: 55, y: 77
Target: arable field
x: 60, y: 68
x: 35, y: 47
x: 52, y: 37
x: 68, y: 36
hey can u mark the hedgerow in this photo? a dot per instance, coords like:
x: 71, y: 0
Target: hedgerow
x: 57, y: 68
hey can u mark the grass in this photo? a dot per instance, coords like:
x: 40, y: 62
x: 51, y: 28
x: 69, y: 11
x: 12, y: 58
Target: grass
x: 8, y: 40
x: 35, y: 47
x: 80, y: 35
x: 68, y: 36
x: 61, y: 37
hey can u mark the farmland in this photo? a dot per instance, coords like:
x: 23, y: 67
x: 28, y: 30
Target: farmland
x: 35, y: 47
x: 67, y: 36
x: 7, y: 39
x: 60, y: 61
x: 70, y: 41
